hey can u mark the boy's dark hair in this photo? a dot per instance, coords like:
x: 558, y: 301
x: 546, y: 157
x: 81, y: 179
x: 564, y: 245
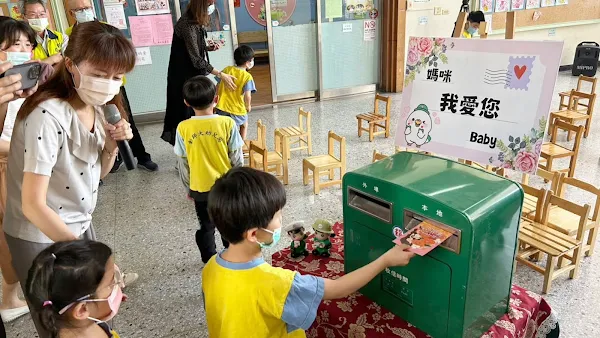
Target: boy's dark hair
x: 63, y: 273
x: 199, y: 92
x: 242, y: 199
x: 476, y: 16
x: 243, y: 54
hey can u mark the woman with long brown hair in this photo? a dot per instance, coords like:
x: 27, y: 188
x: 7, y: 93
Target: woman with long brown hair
x: 61, y: 146
x: 189, y: 58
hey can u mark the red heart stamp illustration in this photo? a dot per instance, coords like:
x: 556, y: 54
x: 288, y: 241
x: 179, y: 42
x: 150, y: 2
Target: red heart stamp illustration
x: 519, y: 71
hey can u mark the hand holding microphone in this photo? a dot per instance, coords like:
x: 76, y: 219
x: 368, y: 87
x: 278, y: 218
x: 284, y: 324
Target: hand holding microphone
x: 118, y: 130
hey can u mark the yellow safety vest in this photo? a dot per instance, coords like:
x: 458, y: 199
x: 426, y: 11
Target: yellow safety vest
x: 70, y: 30
x: 53, y: 45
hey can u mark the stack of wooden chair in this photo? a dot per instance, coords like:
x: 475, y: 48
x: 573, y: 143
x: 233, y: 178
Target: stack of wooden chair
x: 563, y: 230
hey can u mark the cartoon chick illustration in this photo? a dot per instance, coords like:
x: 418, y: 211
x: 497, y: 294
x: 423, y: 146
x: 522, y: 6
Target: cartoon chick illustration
x: 418, y: 126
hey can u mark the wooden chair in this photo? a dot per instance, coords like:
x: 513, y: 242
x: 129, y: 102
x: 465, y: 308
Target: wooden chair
x: 536, y: 238
x: 378, y: 156
x: 567, y: 222
x: 326, y: 164
x: 261, y: 139
x: 580, y: 84
x: 551, y: 150
x: 572, y: 114
x: 533, y: 203
x: 271, y: 161
x: 300, y: 134
x: 375, y: 120
x: 530, y: 201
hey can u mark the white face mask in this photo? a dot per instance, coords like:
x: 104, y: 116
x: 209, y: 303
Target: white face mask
x: 85, y: 15
x: 251, y: 64
x: 211, y: 9
x: 38, y: 25
x: 17, y: 58
x: 96, y: 91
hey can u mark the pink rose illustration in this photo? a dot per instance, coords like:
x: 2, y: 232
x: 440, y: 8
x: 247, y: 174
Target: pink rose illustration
x: 525, y: 161
x: 537, y: 149
x: 412, y: 43
x: 425, y: 46
x: 507, y: 165
x: 440, y: 41
x: 412, y: 57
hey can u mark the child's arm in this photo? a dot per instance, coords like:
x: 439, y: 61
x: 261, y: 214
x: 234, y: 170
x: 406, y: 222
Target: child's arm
x: 350, y: 283
x: 248, y: 101
x: 303, y: 299
x: 235, y: 145
x: 182, y: 161
x: 249, y: 89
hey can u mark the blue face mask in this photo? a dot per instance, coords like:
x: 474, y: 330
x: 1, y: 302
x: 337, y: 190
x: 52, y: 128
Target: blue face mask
x: 471, y: 30
x: 276, y: 237
x: 211, y: 9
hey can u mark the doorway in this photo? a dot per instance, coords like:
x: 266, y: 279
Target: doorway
x: 251, y: 27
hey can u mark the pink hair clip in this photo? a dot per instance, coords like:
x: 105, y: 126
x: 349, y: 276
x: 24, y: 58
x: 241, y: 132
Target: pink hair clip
x: 47, y: 303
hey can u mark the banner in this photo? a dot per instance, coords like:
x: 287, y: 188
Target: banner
x: 481, y: 100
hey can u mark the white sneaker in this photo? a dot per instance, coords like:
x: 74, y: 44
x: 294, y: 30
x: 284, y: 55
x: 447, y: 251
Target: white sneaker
x: 9, y: 315
x: 130, y: 278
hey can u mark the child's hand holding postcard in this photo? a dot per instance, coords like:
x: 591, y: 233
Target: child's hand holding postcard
x: 423, y: 238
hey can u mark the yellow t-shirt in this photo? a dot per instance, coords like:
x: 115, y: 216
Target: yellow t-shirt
x: 246, y: 302
x: 232, y: 101
x: 206, y: 142
x: 466, y: 34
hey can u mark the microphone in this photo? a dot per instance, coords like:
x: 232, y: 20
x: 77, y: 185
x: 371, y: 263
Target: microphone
x: 113, y: 116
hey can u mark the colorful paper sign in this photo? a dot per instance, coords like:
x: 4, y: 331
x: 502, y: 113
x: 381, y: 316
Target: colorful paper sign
x: 548, y: 3
x: 115, y: 16
x: 151, y: 7
x: 517, y: 5
x: 151, y: 30
x: 502, y: 6
x: 141, y: 31
x: 334, y: 9
x: 163, y: 29
x: 481, y: 100
x: 281, y: 10
x: 370, y: 27
x: 486, y: 6
x: 533, y: 4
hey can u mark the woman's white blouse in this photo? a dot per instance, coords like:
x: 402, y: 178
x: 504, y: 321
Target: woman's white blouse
x: 53, y: 142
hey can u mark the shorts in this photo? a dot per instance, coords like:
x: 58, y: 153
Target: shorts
x: 238, y: 119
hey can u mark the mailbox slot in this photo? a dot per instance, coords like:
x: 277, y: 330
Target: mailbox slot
x: 412, y: 219
x: 370, y: 205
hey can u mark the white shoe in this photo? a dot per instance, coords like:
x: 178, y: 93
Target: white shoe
x: 130, y: 278
x: 9, y: 315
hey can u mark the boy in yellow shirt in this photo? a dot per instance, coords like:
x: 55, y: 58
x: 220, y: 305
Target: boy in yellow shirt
x: 211, y: 145
x: 238, y: 103
x: 246, y: 297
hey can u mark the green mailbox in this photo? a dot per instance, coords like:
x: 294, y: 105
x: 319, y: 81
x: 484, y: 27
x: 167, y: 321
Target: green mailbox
x: 463, y: 286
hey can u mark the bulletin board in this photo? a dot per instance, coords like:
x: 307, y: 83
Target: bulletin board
x: 130, y: 10
x: 576, y: 10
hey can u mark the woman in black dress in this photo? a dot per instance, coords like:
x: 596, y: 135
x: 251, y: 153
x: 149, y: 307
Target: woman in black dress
x: 189, y: 58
